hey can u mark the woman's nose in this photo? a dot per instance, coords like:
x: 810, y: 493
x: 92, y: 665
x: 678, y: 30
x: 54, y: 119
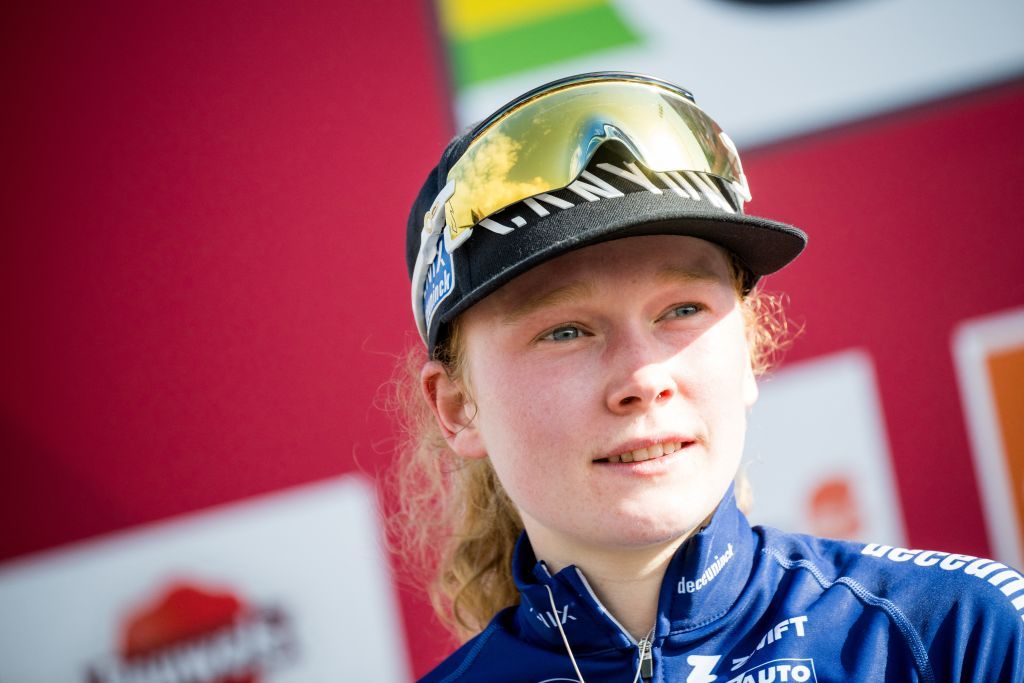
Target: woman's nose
x: 639, y: 378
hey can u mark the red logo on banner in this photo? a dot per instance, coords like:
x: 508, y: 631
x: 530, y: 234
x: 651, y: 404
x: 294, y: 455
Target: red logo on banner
x: 195, y: 635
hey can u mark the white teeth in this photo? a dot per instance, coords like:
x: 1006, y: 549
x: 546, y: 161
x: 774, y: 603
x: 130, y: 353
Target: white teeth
x: 649, y: 453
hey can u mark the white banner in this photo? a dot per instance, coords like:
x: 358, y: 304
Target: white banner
x: 289, y: 587
x: 766, y: 71
x: 817, y: 453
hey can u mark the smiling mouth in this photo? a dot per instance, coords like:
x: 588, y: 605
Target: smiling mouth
x: 649, y: 453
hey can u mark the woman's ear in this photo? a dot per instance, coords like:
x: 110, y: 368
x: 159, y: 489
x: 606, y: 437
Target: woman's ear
x: 453, y: 409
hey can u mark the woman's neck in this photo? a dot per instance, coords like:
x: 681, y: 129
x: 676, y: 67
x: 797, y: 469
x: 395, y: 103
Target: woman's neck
x: 627, y: 581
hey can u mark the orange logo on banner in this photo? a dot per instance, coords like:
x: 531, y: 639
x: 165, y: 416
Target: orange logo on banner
x: 190, y: 634
x: 833, y: 510
x: 1006, y: 376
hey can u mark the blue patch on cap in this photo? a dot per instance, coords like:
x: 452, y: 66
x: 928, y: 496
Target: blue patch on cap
x: 440, y: 280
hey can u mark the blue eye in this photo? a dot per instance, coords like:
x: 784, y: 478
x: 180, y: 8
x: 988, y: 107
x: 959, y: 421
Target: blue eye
x: 563, y: 333
x: 683, y: 311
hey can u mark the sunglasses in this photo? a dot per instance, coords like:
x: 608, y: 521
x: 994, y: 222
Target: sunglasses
x: 543, y: 140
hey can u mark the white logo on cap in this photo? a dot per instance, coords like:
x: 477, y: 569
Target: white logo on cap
x: 440, y: 280
x: 690, y: 184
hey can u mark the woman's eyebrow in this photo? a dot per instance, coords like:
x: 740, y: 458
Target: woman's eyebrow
x: 688, y: 274
x: 580, y: 289
x: 569, y: 293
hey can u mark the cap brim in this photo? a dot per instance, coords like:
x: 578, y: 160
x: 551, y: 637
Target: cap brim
x: 763, y: 246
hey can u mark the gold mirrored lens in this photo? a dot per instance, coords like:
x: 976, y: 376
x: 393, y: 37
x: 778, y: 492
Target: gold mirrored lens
x: 544, y: 144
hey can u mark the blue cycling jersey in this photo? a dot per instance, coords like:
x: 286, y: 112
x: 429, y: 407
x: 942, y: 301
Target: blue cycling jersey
x: 755, y: 605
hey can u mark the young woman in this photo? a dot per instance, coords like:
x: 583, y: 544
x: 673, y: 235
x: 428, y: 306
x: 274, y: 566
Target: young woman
x: 583, y: 277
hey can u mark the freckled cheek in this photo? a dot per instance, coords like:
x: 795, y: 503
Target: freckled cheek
x: 719, y: 395
x: 537, y: 389
x: 527, y: 414
x: 722, y: 359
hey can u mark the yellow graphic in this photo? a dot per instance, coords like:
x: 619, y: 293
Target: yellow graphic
x: 470, y: 18
x: 498, y: 38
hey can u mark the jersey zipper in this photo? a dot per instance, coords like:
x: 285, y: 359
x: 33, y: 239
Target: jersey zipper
x: 646, y: 659
x: 643, y: 646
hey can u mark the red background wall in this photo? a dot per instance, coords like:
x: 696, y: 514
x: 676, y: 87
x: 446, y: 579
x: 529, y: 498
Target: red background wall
x: 203, y: 269
x: 204, y: 209
x: 912, y: 230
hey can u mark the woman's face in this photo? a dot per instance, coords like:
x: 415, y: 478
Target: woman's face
x: 609, y: 387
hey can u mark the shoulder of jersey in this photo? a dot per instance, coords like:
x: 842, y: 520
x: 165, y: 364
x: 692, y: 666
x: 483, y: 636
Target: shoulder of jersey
x: 903, y: 575
x: 947, y: 602
x: 475, y: 659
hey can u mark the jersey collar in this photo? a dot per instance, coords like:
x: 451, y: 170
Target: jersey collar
x: 703, y: 580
